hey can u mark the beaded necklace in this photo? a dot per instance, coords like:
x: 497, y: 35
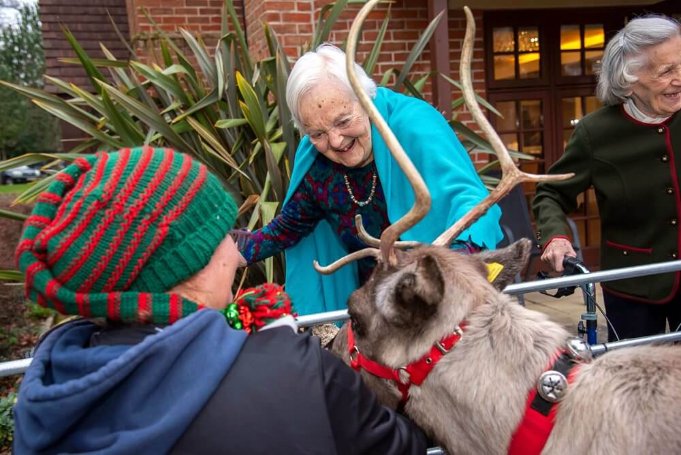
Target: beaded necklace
x: 371, y: 193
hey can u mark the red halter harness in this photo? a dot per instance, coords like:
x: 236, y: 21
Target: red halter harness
x: 417, y: 371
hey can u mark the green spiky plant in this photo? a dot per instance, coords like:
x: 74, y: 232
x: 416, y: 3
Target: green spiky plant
x: 225, y: 110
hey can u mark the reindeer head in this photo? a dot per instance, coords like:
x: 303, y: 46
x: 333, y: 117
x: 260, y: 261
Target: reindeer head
x: 404, y: 309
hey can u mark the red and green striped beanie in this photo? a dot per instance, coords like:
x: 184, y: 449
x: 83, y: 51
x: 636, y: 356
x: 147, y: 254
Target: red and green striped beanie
x: 115, y: 231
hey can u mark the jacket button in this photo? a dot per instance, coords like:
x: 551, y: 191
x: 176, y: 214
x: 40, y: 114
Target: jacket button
x: 673, y: 221
x: 660, y: 130
x: 669, y: 190
x: 625, y: 253
x: 674, y: 255
x: 665, y: 158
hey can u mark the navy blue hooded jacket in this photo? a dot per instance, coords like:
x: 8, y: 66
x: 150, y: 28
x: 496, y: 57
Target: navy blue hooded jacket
x: 198, y: 386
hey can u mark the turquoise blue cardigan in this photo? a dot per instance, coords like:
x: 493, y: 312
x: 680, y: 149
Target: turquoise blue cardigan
x: 446, y: 168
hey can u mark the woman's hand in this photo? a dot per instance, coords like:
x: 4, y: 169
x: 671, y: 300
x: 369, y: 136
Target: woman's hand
x: 555, y: 251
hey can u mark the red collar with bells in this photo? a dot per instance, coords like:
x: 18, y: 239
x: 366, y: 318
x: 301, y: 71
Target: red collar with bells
x: 417, y: 371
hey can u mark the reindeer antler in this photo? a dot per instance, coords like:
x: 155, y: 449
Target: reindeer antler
x: 510, y: 174
x: 422, y: 197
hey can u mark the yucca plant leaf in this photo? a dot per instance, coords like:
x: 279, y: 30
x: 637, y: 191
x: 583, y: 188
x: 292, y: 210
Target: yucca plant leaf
x: 229, y: 14
x: 327, y: 19
x: 86, y: 62
x: 213, y: 142
x: 480, y: 99
x: 201, y: 54
x: 372, y: 58
x: 12, y: 215
x: 11, y: 276
x: 97, y: 62
x: 386, y: 77
x: 250, y: 106
x: 411, y: 88
x: 285, y: 118
x: 231, y: 122
x: 159, y: 79
x: 417, y: 50
x: 118, y: 73
x: 59, y: 111
x: 149, y: 116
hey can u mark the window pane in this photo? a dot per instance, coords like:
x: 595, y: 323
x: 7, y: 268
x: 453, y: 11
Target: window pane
x: 503, y: 39
x: 570, y: 63
x: 530, y: 113
x: 591, y: 103
x: 509, y: 121
x: 594, y: 36
x: 570, y: 38
x: 510, y: 141
x: 529, y: 66
x: 572, y: 111
x: 532, y: 143
x: 504, y: 67
x: 593, y: 61
x: 566, y: 137
x: 528, y: 39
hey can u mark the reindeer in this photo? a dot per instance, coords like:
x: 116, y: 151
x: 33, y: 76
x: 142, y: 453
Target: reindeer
x: 432, y: 333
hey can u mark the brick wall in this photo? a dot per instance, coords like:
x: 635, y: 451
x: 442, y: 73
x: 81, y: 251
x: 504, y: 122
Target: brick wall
x: 90, y: 24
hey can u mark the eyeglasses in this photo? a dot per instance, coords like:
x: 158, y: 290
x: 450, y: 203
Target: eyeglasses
x: 240, y: 237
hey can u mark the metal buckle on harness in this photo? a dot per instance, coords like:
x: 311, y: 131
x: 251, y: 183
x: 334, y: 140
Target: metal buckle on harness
x: 440, y: 347
x: 354, y: 357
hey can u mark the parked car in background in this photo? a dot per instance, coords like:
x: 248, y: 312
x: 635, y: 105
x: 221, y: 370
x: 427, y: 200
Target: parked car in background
x: 19, y: 174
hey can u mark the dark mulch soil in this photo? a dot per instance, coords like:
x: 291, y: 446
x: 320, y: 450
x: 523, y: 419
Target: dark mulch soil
x: 18, y: 330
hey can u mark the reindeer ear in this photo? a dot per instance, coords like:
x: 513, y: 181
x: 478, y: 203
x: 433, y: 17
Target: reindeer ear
x: 503, y: 264
x: 422, y: 287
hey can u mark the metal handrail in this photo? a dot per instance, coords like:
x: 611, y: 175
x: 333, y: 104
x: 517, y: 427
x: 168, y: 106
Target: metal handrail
x: 19, y: 366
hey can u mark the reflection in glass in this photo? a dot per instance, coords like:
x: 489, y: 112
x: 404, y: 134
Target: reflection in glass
x: 504, y: 67
x: 509, y: 121
x: 529, y: 65
x: 531, y: 115
x: 510, y: 140
x: 503, y: 40
x: 593, y: 61
x: 572, y: 111
x: 570, y: 38
x: 528, y: 39
x: 566, y: 137
x: 570, y: 63
x: 592, y: 103
x: 532, y: 143
x: 594, y: 36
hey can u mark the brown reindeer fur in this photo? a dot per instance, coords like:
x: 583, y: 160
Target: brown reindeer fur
x: 624, y: 402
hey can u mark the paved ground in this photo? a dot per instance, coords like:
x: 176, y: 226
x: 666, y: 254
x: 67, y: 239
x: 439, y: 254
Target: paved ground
x: 567, y: 311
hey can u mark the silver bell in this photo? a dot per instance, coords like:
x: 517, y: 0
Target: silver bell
x: 579, y: 350
x: 552, y: 386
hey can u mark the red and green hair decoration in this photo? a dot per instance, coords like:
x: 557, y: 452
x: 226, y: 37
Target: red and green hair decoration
x: 255, y: 307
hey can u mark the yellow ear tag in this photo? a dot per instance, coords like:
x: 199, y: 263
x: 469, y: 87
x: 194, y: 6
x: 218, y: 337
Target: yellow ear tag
x: 493, y: 271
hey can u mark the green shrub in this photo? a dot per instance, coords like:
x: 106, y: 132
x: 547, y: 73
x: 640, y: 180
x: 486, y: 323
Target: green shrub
x: 25, y: 127
x: 6, y: 420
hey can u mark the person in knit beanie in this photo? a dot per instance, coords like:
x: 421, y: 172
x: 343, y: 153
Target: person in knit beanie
x: 137, y: 243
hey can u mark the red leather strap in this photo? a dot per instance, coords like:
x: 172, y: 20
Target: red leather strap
x: 417, y: 371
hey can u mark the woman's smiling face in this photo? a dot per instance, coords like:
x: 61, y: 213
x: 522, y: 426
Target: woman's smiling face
x: 337, y: 125
x: 658, y: 89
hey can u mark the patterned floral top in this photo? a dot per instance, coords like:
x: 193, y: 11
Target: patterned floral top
x: 323, y: 195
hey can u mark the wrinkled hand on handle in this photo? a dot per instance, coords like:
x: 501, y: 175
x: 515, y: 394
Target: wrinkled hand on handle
x: 555, y: 251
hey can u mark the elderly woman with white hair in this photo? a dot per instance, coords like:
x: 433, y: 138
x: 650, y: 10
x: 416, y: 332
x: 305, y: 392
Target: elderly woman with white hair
x: 628, y: 151
x: 343, y: 168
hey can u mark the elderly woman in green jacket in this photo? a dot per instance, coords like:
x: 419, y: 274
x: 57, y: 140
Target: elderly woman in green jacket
x: 628, y: 151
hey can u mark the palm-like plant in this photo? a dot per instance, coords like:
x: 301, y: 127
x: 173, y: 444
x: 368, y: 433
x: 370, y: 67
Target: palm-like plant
x: 225, y: 110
